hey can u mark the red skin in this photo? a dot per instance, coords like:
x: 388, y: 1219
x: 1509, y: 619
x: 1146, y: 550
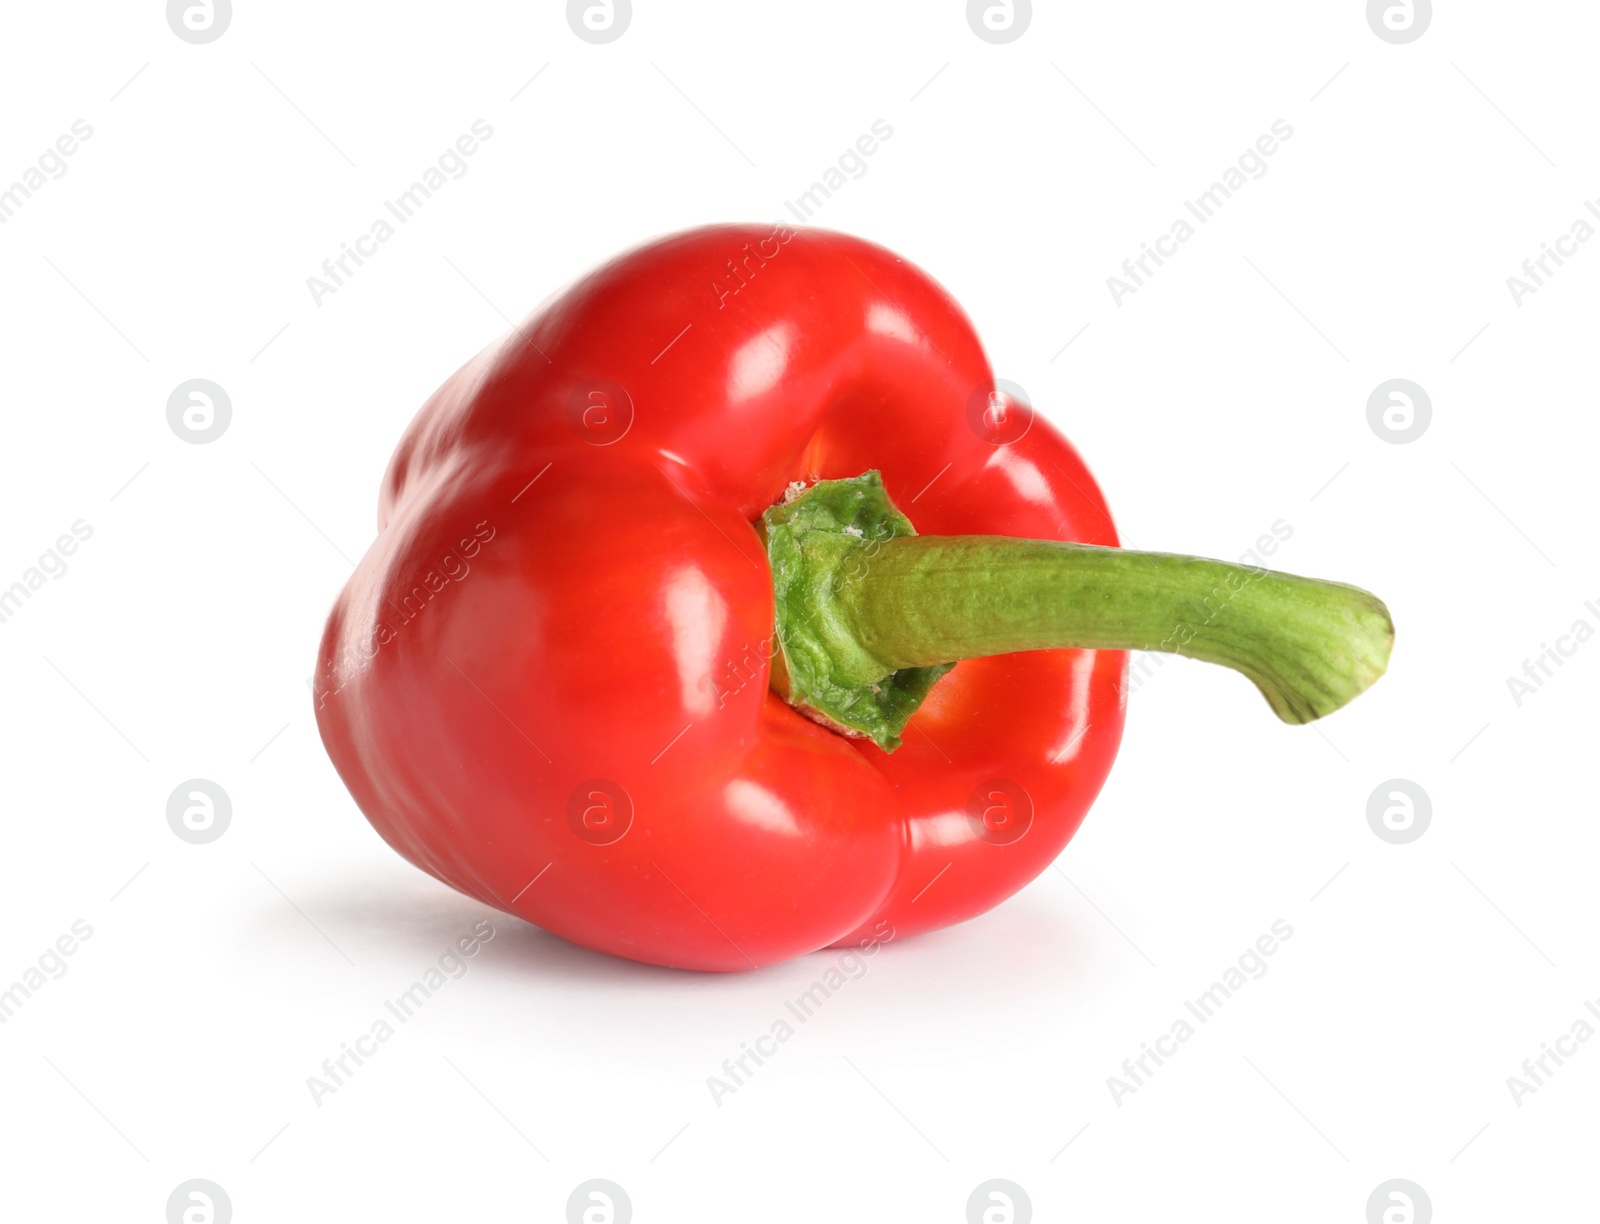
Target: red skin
x: 615, y: 624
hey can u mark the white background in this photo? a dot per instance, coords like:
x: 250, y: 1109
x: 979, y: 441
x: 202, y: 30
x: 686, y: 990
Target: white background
x: 1228, y: 393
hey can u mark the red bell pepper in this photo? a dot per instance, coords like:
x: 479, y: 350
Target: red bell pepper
x: 619, y: 664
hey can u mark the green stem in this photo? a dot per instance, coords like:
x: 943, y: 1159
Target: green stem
x: 1309, y: 646
x: 869, y: 614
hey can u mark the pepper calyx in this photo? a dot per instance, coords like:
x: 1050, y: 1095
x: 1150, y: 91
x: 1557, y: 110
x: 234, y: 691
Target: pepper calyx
x: 816, y: 541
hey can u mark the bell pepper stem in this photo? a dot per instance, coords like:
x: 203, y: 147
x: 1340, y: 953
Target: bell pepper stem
x: 1309, y: 646
x: 869, y: 615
